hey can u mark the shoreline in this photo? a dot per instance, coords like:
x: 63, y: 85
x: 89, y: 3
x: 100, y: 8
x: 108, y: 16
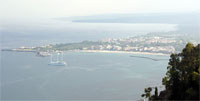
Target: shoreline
x: 95, y: 51
x: 127, y: 52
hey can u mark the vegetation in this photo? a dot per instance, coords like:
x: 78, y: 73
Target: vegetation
x: 165, y: 43
x: 182, y: 78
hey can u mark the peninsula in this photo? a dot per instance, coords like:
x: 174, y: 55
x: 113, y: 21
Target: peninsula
x: 153, y: 43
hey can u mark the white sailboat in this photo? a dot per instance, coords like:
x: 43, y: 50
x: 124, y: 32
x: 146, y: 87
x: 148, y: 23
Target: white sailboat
x: 58, y: 61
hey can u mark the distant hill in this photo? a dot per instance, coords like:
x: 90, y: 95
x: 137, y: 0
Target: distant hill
x: 169, y: 18
x: 188, y: 23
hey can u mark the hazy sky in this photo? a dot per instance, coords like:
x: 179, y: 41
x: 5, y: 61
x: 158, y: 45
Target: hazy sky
x: 13, y: 10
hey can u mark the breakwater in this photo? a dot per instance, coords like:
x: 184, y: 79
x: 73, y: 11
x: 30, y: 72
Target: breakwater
x: 149, y: 58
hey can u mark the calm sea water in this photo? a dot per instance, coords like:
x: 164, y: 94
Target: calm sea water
x: 88, y: 76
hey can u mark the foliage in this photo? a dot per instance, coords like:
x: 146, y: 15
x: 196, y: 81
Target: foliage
x: 182, y: 77
x: 147, y: 92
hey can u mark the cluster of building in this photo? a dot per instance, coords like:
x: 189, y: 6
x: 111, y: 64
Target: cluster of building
x: 138, y: 44
x: 147, y: 40
x: 155, y: 49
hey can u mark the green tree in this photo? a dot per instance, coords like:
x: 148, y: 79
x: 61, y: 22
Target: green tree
x: 182, y: 77
x: 147, y: 92
x: 156, y: 93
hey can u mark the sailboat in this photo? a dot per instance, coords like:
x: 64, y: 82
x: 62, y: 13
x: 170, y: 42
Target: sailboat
x: 58, y: 61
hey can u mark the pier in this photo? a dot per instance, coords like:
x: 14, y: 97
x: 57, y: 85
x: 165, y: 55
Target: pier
x: 148, y: 58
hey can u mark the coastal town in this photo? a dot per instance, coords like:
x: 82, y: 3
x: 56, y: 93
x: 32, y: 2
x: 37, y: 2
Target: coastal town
x: 135, y: 44
x: 149, y: 43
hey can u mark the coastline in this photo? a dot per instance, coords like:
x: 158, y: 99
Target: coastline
x: 129, y: 52
x: 92, y: 51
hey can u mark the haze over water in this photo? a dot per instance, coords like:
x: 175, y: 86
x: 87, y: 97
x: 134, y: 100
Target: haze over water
x: 88, y: 76
x: 67, y: 32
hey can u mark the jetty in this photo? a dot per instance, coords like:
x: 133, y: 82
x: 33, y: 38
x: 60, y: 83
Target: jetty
x: 149, y: 58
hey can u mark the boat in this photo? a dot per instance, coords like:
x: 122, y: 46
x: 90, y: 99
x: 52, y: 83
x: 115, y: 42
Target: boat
x: 58, y: 61
x: 43, y: 54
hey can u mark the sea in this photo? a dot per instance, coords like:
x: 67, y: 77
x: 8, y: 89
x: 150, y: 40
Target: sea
x: 87, y: 76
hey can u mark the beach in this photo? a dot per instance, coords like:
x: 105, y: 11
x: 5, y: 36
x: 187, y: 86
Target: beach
x: 129, y: 52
